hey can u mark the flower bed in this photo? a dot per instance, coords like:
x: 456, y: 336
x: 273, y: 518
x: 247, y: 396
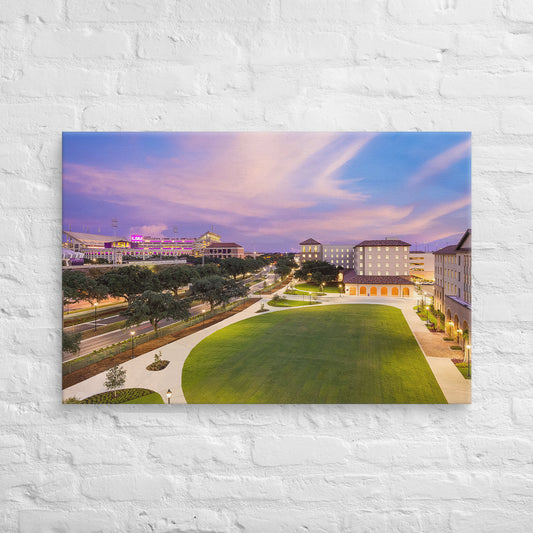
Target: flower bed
x: 123, y: 395
x: 158, y: 365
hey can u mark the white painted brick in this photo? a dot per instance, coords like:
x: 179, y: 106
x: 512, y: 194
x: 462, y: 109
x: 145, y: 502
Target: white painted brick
x: 419, y: 44
x: 500, y: 308
x: 198, y: 451
x: 116, y: 11
x: 35, y: 118
x: 479, y: 44
x: 293, y: 450
x: 17, y: 9
x: 123, y: 117
x: 12, y: 449
x: 81, y: 520
x: 442, y: 11
x: 61, y: 82
x: 470, y: 83
x: 518, y: 10
x: 490, y: 520
x: 225, y: 10
x: 521, y: 197
x: 220, y: 487
x: 520, y: 44
x: 495, y: 158
x: 266, y: 520
x: 522, y: 410
x: 340, y: 11
x: 193, y: 519
x: 516, y: 487
x: 14, y: 157
x: 87, y: 43
x: 168, y: 81
x: 124, y: 487
x: 295, y: 47
x: 188, y: 46
x: 517, y: 119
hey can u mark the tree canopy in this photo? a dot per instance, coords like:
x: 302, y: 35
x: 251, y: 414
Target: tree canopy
x: 176, y: 276
x: 156, y: 306
x: 129, y: 281
x: 217, y: 290
x: 115, y: 378
x: 318, y: 271
x: 71, y: 342
x: 78, y: 286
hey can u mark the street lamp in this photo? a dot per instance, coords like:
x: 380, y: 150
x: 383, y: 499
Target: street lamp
x: 203, y: 313
x: 95, y: 304
x: 132, y: 333
x: 340, y: 290
x: 169, y: 394
x: 427, y: 315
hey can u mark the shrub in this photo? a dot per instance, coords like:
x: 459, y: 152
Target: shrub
x: 448, y: 339
x: 455, y: 348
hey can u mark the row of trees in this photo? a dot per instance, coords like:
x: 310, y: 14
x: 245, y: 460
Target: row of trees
x: 155, y: 296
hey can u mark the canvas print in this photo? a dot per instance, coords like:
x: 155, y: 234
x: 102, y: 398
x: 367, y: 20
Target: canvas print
x: 240, y: 268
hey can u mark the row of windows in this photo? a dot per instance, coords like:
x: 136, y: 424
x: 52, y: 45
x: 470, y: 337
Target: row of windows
x: 378, y: 248
x: 379, y: 257
x: 387, y: 273
x: 397, y: 265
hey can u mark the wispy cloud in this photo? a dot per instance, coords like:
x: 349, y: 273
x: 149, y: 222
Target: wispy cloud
x: 441, y: 162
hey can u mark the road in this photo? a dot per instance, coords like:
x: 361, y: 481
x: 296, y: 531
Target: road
x: 100, y: 341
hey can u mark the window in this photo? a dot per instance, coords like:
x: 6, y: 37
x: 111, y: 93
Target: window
x: 397, y: 257
x: 387, y: 265
x: 370, y: 265
x: 386, y: 248
x: 386, y: 257
x: 370, y: 273
x: 379, y: 248
x: 379, y: 256
x: 406, y: 248
x: 397, y: 273
x: 379, y: 273
x: 360, y: 265
x: 396, y: 248
x: 387, y: 273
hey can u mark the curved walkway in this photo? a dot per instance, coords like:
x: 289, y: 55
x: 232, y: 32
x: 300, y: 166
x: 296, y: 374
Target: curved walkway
x: 456, y: 389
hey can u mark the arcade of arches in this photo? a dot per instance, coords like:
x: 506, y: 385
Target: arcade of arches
x: 381, y: 290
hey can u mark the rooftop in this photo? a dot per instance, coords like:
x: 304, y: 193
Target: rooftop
x: 349, y: 276
x: 224, y: 245
x: 384, y: 242
x: 310, y: 241
x: 92, y: 238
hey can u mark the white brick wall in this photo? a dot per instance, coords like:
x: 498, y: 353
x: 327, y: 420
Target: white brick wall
x: 266, y: 65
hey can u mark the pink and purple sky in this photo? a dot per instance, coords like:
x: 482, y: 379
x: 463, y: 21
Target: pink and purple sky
x: 269, y: 191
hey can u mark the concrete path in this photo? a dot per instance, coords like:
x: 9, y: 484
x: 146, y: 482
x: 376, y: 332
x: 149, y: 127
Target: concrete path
x: 456, y: 389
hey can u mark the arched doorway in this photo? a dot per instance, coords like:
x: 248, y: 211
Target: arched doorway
x: 353, y: 291
x: 373, y: 291
x: 383, y: 291
x: 405, y: 291
x: 395, y: 291
x: 362, y: 291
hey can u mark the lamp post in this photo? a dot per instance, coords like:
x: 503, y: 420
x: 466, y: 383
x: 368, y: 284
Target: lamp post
x: 169, y: 394
x: 203, y: 313
x: 460, y: 337
x: 340, y: 290
x: 427, y: 315
x: 468, y: 358
x: 95, y: 304
x: 132, y: 333
x: 450, y: 323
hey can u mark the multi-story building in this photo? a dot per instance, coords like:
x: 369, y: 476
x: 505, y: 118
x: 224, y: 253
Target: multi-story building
x: 422, y: 265
x: 222, y: 250
x: 310, y: 250
x: 339, y: 254
x: 202, y: 242
x: 386, y: 257
x: 453, y: 277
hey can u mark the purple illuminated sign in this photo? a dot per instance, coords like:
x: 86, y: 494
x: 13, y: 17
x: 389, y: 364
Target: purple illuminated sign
x: 136, y: 238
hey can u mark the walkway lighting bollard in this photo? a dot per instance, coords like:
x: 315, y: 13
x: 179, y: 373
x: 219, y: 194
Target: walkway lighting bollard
x: 203, y: 313
x: 169, y: 394
x: 340, y: 290
x: 132, y: 333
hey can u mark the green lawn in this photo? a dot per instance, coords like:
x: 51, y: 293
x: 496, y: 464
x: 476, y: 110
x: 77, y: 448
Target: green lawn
x: 331, y: 354
x: 150, y: 398
x: 311, y: 287
x: 291, y: 303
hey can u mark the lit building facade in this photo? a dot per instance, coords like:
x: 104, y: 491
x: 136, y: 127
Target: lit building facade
x: 339, y: 254
x: 386, y: 257
x: 223, y: 250
x: 453, y: 279
x: 422, y: 265
x: 360, y: 285
x: 310, y: 250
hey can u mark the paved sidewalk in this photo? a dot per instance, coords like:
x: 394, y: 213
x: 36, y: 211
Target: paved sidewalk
x: 456, y: 389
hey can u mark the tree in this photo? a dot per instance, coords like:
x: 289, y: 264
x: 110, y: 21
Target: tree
x: 115, y: 378
x: 156, y: 306
x: 318, y: 271
x: 130, y: 281
x: 233, y: 266
x: 173, y: 277
x: 284, y: 266
x: 210, y: 269
x: 71, y: 342
x: 77, y: 286
x: 217, y: 290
